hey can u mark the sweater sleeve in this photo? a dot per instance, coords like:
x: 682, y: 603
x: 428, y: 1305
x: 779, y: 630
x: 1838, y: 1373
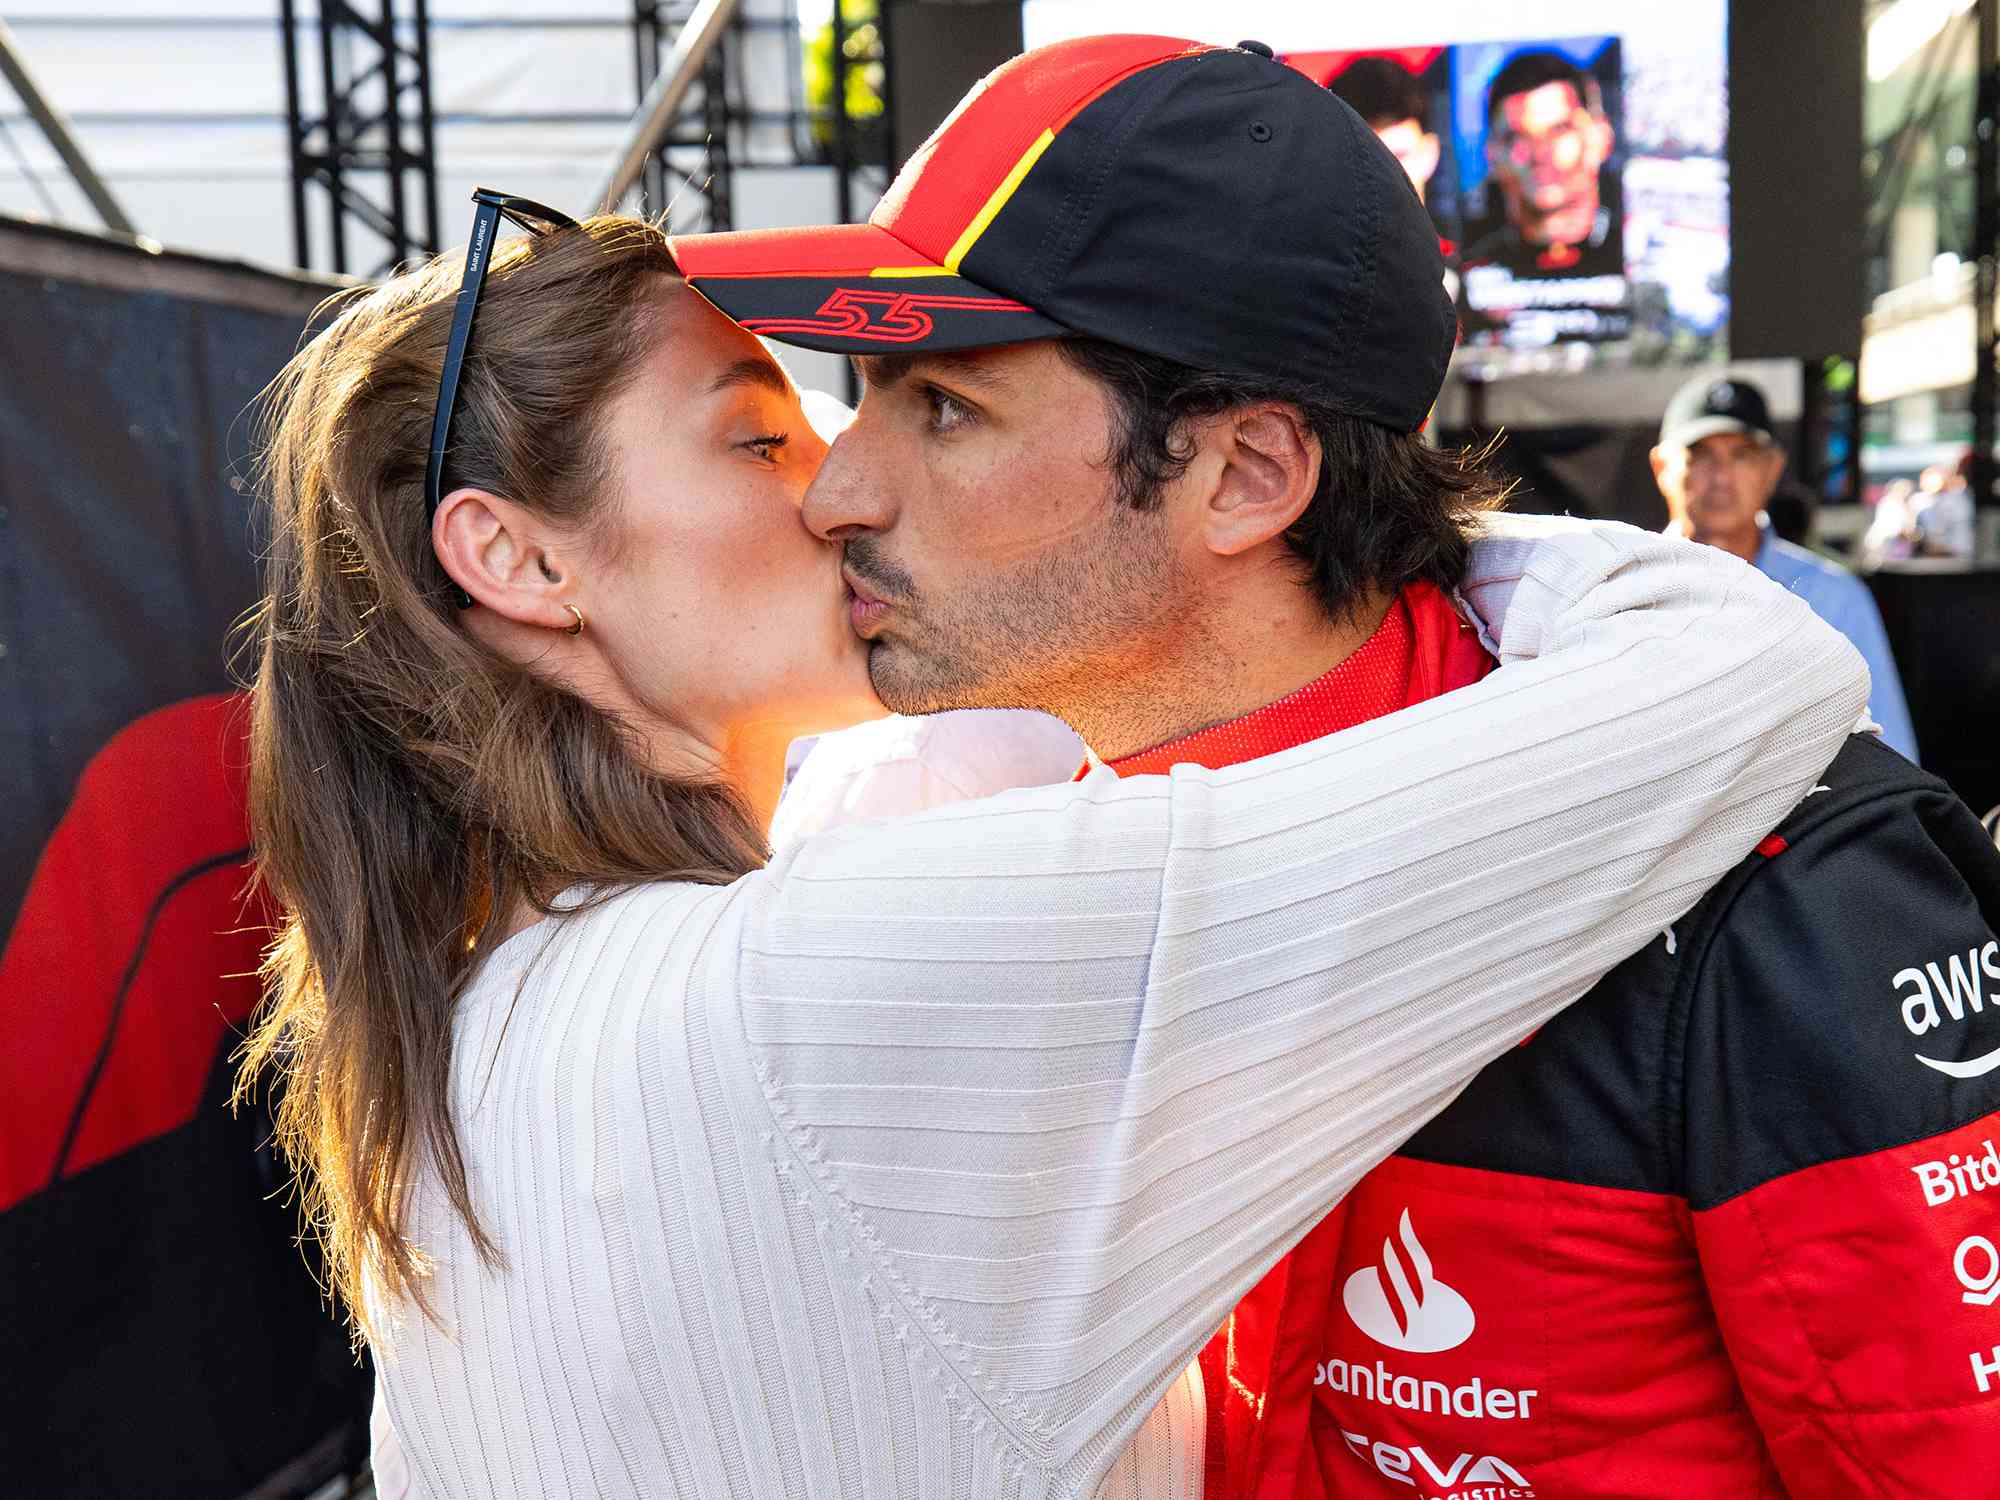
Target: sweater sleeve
x: 1074, y: 1065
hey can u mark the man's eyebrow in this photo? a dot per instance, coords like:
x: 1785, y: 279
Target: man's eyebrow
x: 881, y: 370
x: 753, y: 370
x: 885, y: 370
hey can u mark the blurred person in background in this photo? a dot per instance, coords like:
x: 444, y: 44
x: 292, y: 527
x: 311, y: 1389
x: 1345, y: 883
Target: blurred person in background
x: 1943, y: 511
x: 1548, y: 139
x: 1391, y: 103
x: 1892, y: 527
x: 1558, y: 1286
x: 1717, y: 465
x: 922, y: 1159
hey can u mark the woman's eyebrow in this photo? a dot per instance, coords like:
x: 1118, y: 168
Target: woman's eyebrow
x: 753, y: 370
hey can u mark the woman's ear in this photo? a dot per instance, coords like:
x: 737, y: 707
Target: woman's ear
x: 1270, y: 471
x: 503, y: 556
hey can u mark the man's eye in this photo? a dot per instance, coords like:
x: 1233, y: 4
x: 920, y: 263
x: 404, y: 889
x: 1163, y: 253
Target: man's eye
x: 946, y: 410
x: 768, y: 446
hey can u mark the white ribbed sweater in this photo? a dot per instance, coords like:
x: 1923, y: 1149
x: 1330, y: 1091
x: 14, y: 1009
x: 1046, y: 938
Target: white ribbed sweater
x: 921, y: 1162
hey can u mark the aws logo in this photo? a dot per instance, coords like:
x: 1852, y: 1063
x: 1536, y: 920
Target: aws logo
x: 1934, y: 993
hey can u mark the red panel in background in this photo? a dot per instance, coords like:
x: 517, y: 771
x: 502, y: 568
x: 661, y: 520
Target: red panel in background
x: 1323, y: 67
x: 134, y: 951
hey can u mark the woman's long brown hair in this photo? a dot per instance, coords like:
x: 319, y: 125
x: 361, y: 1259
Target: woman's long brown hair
x: 405, y: 781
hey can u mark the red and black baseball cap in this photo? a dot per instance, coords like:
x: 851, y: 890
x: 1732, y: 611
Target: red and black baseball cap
x: 1206, y: 204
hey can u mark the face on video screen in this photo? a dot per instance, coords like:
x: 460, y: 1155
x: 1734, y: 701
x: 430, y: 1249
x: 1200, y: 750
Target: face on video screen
x: 1416, y: 148
x: 1546, y: 148
x: 1539, y: 124
x: 1403, y: 97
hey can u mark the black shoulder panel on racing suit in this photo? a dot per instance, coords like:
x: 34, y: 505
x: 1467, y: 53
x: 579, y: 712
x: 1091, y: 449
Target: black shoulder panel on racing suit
x: 1844, y: 997
x: 1599, y: 1096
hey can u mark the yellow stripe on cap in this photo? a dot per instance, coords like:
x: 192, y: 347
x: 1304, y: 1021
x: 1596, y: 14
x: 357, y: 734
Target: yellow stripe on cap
x: 910, y: 271
x: 998, y: 201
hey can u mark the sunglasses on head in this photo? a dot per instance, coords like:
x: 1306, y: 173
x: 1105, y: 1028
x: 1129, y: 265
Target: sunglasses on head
x: 535, y: 218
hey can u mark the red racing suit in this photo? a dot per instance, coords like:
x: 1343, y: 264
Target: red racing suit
x: 1730, y: 1226
x: 1421, y: 649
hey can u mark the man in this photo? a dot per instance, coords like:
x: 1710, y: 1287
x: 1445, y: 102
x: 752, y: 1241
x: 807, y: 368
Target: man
x: 1946, y: 523
x: 1547, y: 141
x: 1140, y: 446
x: 1390, y: 102
x: 1717, y: 466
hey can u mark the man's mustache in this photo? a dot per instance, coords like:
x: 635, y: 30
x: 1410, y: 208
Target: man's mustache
x: 887, y: 582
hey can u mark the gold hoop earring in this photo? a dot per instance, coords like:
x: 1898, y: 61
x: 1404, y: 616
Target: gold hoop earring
x: 577, y: 628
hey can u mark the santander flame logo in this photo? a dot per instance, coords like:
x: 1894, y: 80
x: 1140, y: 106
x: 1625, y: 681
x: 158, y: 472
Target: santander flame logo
x: 1401, y: 1303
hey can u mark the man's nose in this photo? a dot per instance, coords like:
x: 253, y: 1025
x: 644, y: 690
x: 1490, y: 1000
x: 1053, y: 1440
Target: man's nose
x: 849, y: 494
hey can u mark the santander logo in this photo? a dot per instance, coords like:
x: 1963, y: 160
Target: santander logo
x: 1401, y: 1304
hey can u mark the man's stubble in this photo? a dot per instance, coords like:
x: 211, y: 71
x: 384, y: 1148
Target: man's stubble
x: 1073, y: 631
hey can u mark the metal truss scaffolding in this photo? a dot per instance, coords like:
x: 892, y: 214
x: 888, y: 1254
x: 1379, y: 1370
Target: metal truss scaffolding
x: 687, y: 180
x: 368, y: 154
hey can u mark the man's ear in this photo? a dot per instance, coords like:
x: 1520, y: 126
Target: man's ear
x: 504, y: 556
x: 1658, y: 458
x: 1270, y: 469
x: 1774, y: 468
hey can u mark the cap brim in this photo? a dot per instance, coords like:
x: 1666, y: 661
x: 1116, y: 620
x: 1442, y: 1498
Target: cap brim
x: 849, y: 289
x: 1689, y: 433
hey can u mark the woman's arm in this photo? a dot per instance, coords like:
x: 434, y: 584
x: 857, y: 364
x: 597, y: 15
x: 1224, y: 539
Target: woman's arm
x: 1075, y: 1065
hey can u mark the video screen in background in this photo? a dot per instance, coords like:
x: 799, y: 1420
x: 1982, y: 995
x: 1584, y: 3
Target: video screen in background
x: 1573, y: 157
x: 1538, y: 127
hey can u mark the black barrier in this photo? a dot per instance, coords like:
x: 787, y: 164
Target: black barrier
x: 160, y: 1333
x: 125, y: 548
x: 1944, y: 626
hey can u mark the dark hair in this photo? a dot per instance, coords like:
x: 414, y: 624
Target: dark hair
x: 1380, y: 90
x: 409, y: 787
x: 1390, y: 509
x: 1527, y: 71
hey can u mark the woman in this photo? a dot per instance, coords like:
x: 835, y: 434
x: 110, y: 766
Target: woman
x: 920, y: 1162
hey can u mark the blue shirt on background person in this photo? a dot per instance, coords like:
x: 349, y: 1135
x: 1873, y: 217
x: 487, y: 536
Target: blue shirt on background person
x: 1843, y: 601
x: 1717, y: 465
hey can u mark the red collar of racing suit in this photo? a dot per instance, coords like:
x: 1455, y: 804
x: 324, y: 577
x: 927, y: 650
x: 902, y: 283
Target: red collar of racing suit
x: 1420, y: 650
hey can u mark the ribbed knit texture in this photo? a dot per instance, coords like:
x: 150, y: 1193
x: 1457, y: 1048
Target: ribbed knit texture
x: 922, y: 1162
